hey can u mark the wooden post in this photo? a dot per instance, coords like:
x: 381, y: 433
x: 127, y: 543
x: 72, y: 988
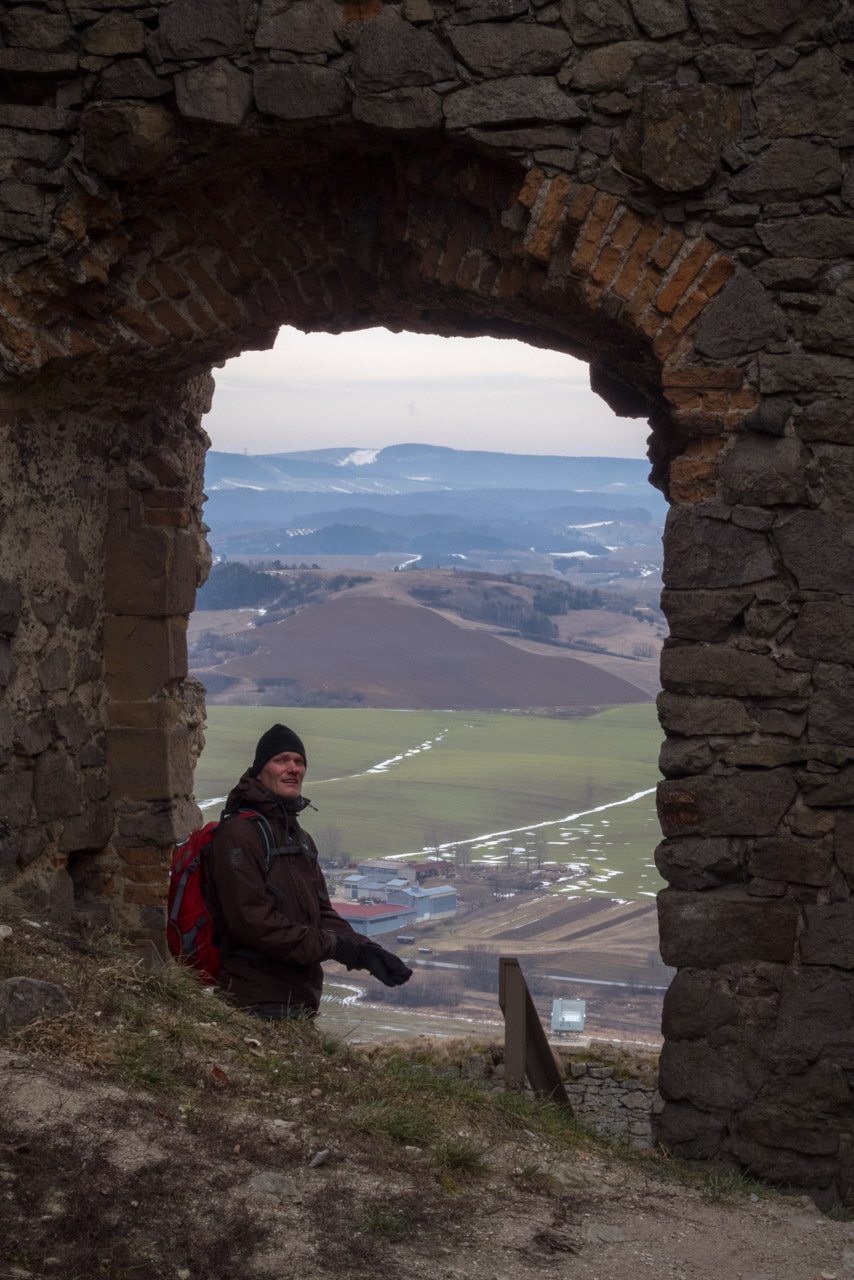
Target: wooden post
x: 527, y: 1053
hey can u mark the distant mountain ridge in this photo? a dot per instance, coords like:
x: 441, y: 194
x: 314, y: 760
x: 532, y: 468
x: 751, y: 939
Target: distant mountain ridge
x: 427, y: 501
x: 414, y: 468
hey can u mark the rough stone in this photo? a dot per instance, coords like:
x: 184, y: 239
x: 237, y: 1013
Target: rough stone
x: 703, y: 615
x: 598, y: 21
x: 515, y: 100
x: 23, y: 1000
x: 828, y: 936
x: 796, y: 861
x: 114, y: 34
x: 826, y: 420
x: 488, y: 10
x: 126, y: 140
x: 608, y: 67
x: 496, y: 49
x: 684, y: 714
x: 718, y: 669
x: 713, y: 553
x: 816, y: 1005
x: 402, y: 110
x: 789, y: 170
x: 91, y: 829
x: 762, y: 471
x: 31, y: 28
x: 675, y: 136
x: 192, y: 30
x: 659, y: 18
x: 804, y: 541
x: 811, y: 97
x: 392, y: 54
x: 726, y: 64
x: 305, y: 27
x: 681, y: 756
x: 151, y: 572
x: 217, y: 92
x: 722, y: 1076
x: 696, y: 863
x: 843, y: 844
x: 740, y: 319
x: 161, y: 824
x: 831, y: 712
x: 272, y: 1184
x: 17, y: 796
x: 10, y: 608
x: 54, y: 671
x: 830, y: 329
x: 724, y: 926
x: 7, y: 666
x: 732, y: 18
x: 825, y: 629
x: 149, y: 764
x: 56, y: 787
x: 744, y: 804
x: 822, y: 235
x: 132, y: 78
x: 297, y: 92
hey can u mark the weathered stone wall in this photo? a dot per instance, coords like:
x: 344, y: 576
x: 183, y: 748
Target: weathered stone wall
x: 619, y: 1107
x: 659, y: 186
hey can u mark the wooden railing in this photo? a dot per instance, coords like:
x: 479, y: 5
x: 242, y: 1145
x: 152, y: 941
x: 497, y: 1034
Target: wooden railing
x: 527, y: 1054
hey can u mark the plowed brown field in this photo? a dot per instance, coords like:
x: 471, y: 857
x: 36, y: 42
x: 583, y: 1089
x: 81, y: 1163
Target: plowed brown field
x: 400, y: 655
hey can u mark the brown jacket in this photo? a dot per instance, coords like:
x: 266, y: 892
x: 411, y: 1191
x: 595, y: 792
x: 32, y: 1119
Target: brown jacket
x: 274, y: 929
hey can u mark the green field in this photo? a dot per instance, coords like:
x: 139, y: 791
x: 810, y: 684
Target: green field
x: 375, y: 780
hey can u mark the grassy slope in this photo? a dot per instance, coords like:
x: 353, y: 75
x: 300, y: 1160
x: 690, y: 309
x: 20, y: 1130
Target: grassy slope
x: 490, y: 772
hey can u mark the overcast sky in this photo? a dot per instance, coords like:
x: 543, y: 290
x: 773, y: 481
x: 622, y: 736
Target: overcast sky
x: 374, y: 388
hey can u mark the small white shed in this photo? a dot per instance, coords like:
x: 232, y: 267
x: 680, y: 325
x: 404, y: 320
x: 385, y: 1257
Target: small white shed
x: 568, y: 1015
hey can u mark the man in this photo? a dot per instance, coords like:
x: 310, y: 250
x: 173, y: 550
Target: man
x: 271, y: 910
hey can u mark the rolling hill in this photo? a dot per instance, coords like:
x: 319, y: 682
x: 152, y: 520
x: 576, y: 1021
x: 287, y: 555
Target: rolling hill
x: 368, y: 651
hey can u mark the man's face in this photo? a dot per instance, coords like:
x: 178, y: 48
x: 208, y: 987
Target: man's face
x: 283, y: 775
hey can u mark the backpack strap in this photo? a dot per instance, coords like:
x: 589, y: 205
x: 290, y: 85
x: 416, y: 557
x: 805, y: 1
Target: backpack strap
x: 268, y: 841
x: 267, y: 837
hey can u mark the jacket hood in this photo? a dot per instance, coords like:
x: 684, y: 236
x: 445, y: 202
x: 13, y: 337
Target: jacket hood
x: 252, y: 794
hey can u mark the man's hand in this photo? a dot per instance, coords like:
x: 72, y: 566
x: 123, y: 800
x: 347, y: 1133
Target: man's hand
x: 381, y: 964
x: 384, y: 965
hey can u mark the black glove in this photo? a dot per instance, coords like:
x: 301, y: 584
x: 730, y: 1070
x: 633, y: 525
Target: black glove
x: 379, y: 963
x: 347, y: 951
x: 383, y: 965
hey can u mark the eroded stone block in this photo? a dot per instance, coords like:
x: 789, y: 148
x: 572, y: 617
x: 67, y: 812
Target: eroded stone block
x: 393, y: 54
x: 724, y: 926
x: 719, y: 669
x: 598, y: 21
x: 56, y: 786
x: 217, y: 92
x: 149, y: 764
x: 305, y: 27
x: 701, y: 552
x: 510, y: 100
x: 294, y: 91
x: 796, y: 861
x: 746, y: 804
x: 496, y: 49
x: 694, y: 863
x: 192, y: 30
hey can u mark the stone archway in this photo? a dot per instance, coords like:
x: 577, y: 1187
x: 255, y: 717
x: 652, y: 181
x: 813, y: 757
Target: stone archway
x: 658, y: 188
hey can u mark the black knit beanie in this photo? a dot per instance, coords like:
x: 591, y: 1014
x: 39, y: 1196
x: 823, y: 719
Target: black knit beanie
x: 277, y: 739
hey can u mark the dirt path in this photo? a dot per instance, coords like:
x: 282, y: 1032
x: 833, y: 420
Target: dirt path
x: 79, y: 1155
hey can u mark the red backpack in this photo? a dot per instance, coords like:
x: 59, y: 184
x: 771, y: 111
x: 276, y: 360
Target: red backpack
x: 189, y: 923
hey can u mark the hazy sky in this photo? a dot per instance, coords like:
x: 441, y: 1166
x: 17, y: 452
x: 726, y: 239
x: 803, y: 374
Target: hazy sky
x: 374, y: 388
